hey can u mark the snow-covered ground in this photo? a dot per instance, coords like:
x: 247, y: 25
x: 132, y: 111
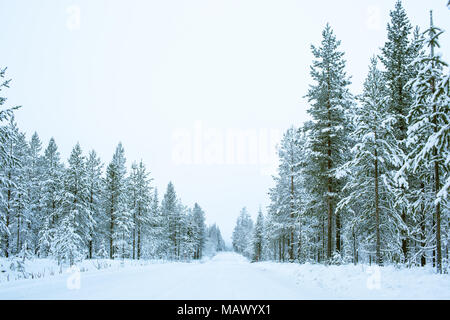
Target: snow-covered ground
x: 227, y: 276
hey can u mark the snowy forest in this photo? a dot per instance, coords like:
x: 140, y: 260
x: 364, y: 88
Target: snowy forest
x: 367, y: 179
x: 78, y: 210
x: 316, y: 135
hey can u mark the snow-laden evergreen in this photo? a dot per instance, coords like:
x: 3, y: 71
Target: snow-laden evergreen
x: 366, y: 197
x: 258, y: 237
x: 429, y: 132
x: 330, y: 99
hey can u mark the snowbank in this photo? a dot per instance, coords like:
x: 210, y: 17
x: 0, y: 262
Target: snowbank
x: 15, y: 269
x: 363, y: 281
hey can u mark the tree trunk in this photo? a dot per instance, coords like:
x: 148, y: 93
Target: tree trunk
x: 377, y: 210
x: 404, y: 238
x: 437, y: 185
x: 8, y: 212
x: 18, y: 233
x: 423, y: 260
x: 90, y: 249
x: 438, y: 218
x: 330, y: 209
x: 90, y: 243
x: 139, y: 235
x: 291, y: 242
x: 323, y: 238
x: 299, y: 242
x: 111, y: 230
x: 338, y: 232
x: 434, y: 249
x: 134, y: 243
x: 330, y: 217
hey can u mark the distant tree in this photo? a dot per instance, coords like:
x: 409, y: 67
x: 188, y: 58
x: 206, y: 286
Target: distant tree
x: 242, y: 234
x: 214, y: 241
x: 258, y: 237
x: 199, y: 235
x: 170, y: 214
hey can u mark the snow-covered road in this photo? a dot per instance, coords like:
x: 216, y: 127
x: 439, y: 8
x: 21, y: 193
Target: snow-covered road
x: 226, y: 276
x: 230, y: 276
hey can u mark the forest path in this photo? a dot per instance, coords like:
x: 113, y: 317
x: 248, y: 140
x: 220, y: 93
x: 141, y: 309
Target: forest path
x: 226, y: 276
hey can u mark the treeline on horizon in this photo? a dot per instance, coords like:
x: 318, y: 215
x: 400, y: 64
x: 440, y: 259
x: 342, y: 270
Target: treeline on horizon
x: 80, y: 211
x: 367, y: 179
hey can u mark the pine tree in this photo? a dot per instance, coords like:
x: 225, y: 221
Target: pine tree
x: 140, y: 202
x: 51, y: 196
x: 289, y: 159
x: 284, y: 212
x: 242, y: 234
x: 94, y: 194
x: 21, y: 201
x: 330, y: 99
x: 428, y: 130
x: 76, y: 221
x: 119, y: 224
x: 258, y: 237
x: 170, y: 214
x: 396, y: 57
x: 7, y: 135
x: 14, y: 195
x: 198, y: 216
x: 156, y: 238
x: 370, y: 155
x: 187, y: 240
x: 35, y: 170
x: 177, y: 224
x: 214, y: 241
x: 9, y: 164
x: 66, y: 241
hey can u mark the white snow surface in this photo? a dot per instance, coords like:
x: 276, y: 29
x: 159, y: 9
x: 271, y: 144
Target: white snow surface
x: 228, y: 276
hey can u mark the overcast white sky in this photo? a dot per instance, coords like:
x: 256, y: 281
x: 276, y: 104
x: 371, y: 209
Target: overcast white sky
x: 144, y: 72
